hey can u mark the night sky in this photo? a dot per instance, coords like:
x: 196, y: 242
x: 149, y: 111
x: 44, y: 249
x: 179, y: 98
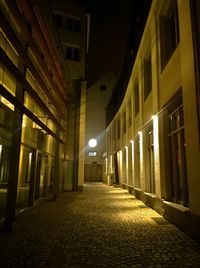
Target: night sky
x: 110, y: 26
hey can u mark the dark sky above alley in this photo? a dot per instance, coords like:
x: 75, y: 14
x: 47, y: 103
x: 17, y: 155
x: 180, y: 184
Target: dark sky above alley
x: 110, y: 25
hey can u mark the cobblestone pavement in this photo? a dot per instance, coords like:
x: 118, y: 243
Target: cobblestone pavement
x: 101, y: 227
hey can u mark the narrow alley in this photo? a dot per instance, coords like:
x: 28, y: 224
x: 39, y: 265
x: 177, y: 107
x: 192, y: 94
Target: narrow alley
x: 103, y: 226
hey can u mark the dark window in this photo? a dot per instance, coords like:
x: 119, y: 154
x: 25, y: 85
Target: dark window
x: 150, y: 163
x: 4, y: 163
x: 70, y: 24
x: 69, y: 53
x: 136, y: 98
x: 137, y: 161
x: 118, y: 129
x: 177, y: 152
x: 130, y: 113
x: 72, y: 53
x: 57, y: 20
x: 124, y: 122
x: 64, y: 22
x: 147, y: 77
x: 103, y: 87
x: 77, y: 26
x: 169, y: 32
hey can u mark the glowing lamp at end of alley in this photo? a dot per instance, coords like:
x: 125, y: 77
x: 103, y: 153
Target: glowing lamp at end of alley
x: 92, y: 143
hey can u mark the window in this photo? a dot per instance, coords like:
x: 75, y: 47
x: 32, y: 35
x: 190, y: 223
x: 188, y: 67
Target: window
x: 169, y: 32
x: 136, y: 98
x: 4, y: 163
x: 118, y: 129
x: 129, y: 113
x: 103, y: 87
x: 150, y: 165
x: 177, y: 151
x: 72, y: 53
x: 137, y: 161
x: 124, y: 122
x: 130, y: 163
x: 68, y: 23
x: 6, y: 115
x: 93, y: 153
x: 124, y: 162
x: 147, y: 77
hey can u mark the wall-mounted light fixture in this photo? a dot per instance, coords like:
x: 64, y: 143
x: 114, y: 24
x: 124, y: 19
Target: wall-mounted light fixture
x: 92, y: 143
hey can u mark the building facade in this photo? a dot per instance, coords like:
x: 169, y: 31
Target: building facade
x: 153, y: 139
x: 42, y: 102
x: 97, y: 97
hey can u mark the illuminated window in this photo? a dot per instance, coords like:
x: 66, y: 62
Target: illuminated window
x: 92, y: 153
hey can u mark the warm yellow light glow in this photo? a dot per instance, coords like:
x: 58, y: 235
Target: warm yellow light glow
x: 30, y: 157
x: 156, y: 153
x: 111, y: 164
x: 154, y: 116
x: 140, y: 141
x: 127, y: 181
x: 155, y: 132
x: 120, y: 164
x: 1, y: 146
x: 133, y: 172
x: 7, y: 103
x: 141, y: 157
x: 106, y: 159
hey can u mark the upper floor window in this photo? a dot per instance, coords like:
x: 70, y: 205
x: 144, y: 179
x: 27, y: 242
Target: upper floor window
x: 72, y: 53
x: 136, y: 98
x: 103, y: 87
x: 124, y: 121
x: 147, y: 76
x: 169, y: 32
x: 68, y: 23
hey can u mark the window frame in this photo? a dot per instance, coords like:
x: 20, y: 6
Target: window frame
x: 169, y: 35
